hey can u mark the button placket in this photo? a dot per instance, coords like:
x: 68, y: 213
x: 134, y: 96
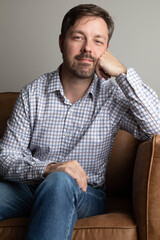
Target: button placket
x: 67, y: 134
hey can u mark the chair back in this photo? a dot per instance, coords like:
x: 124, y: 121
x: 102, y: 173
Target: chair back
x: 120, y: 169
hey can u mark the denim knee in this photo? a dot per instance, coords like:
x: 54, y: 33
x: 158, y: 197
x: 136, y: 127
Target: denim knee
x: 60, y: 178
x: 58, y: 182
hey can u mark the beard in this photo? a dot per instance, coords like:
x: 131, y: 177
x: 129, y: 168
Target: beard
x: 80, y: 69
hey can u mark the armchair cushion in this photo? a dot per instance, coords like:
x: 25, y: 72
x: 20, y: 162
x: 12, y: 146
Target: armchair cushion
x: 112, y: 225
x: 146, y: 189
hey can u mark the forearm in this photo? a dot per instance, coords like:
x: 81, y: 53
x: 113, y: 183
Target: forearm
x: 21, y: 168
x: 143, y: 101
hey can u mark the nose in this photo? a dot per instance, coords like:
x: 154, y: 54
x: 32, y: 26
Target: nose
x: 86, y: 47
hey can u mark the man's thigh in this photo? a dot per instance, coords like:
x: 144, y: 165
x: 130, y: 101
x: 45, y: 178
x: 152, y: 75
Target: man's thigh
x: 16, y: 200
x: 92, y: 202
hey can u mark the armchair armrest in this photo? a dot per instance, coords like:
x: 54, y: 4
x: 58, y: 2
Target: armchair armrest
x: 146, y: 189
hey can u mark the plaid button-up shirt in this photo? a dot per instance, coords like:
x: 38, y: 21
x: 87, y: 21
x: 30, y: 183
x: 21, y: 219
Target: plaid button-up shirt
x: 45, y: 127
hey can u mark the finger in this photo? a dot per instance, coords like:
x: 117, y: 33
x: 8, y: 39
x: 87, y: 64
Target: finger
x: 98, y: 72
x: 82, y: 184
x: 104, y: 74
x: 74, y: 169
x: 81, y: 176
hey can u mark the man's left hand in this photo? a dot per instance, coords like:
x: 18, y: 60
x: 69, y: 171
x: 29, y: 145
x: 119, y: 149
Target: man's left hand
x: 108, y: 66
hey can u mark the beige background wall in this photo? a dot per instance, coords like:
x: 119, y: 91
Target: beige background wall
x: 29, y: 31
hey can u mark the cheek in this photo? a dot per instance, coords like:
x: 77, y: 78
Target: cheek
x: 100, y: 52
x: 71, y: 49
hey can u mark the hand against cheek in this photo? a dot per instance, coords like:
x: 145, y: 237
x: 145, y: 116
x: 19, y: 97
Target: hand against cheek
x: 108, y: 66
x: 72, y: 168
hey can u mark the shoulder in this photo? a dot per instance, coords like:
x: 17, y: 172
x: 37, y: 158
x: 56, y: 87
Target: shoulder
x: 40, y: 84
x: 36, y: 91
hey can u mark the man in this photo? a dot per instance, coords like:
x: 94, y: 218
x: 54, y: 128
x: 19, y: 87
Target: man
x: 55, y: 150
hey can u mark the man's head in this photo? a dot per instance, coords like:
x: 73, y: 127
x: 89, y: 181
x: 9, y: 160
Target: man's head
x: 85, y: 34
x: 86, y: 10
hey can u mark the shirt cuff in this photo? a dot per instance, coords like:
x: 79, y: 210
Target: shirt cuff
x: 129, y: 81
x: 39, y: 170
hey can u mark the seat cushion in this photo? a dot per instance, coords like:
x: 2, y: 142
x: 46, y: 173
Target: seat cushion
x: 110, y: 226
x: 117, y: 223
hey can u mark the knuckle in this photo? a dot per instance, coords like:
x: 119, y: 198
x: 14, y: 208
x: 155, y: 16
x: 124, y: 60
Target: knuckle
x: 66, y: 169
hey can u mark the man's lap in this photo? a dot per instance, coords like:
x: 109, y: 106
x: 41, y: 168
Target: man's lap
x: 17, y: 199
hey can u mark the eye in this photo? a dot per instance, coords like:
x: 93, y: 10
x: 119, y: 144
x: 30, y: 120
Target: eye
x: 77, y: 37
x: 98, y: 42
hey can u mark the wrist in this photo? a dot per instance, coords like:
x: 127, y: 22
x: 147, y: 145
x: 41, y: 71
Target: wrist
x: 123, y: 70
x: 49, y: 169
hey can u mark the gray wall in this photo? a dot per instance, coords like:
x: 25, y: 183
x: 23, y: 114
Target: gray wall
x: 29, y: 31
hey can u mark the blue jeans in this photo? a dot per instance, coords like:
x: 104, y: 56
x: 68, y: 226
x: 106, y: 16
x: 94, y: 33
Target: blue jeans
x: 54, y: 205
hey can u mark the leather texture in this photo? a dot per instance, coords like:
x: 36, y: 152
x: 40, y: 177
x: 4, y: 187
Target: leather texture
x: 7, y: 101
x: 132, y: 183
x: 146, y: 189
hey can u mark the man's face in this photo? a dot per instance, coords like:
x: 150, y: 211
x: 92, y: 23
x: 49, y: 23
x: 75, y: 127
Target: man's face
x: 84, y: 43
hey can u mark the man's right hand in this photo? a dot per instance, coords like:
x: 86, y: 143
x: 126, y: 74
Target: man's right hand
x: 73, y: 168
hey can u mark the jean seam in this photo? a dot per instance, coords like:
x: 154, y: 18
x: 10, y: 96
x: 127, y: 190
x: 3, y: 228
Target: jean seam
x: 71, y: 220
x: 98, y: 197
x: 69, y: 229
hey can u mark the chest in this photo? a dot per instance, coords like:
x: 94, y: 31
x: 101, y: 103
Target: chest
x: 58, y: 128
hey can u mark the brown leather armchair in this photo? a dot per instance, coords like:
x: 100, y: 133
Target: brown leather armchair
x: 133, y: 188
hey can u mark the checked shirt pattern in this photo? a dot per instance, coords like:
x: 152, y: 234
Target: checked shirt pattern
x: 46, y: 128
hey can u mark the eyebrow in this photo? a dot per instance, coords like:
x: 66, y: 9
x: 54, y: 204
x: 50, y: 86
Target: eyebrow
x: 82, y: 33
x: 100, y: 36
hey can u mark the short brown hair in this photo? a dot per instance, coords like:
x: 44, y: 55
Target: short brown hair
x: 86, y: 10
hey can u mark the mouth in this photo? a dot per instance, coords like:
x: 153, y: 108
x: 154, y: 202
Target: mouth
x: 85, y: 58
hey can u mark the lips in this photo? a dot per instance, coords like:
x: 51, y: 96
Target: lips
x: 85, y: 58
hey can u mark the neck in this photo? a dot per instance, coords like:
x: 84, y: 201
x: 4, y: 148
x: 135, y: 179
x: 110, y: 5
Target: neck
x: 74, y: 87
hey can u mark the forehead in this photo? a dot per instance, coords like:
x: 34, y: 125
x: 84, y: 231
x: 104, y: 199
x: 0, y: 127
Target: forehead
x: 90, y: 24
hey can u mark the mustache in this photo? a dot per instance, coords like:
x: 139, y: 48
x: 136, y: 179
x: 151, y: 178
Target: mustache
x: 85, y: 55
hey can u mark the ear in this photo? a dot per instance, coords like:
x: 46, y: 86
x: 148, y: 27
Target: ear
x: 108, y: 45
x: 60, y: 43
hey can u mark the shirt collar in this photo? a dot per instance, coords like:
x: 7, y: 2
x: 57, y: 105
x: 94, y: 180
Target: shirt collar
x: 93, y: 87
x: 54, y: 84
